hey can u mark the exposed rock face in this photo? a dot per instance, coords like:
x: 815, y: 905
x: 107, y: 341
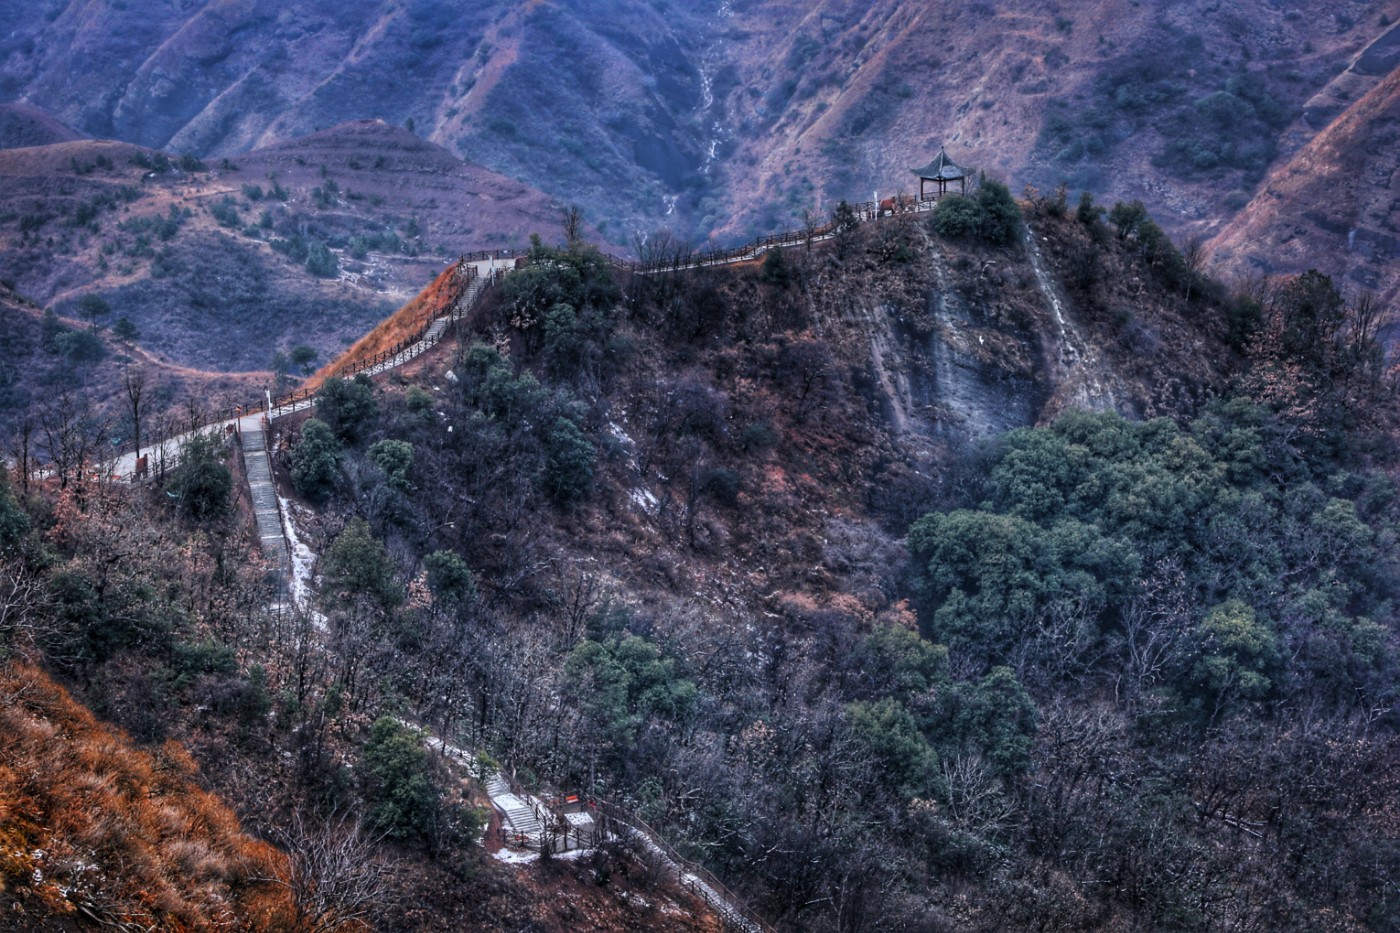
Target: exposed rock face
x: 962, y: 342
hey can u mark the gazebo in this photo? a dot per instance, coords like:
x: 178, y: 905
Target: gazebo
x: 941, y: 171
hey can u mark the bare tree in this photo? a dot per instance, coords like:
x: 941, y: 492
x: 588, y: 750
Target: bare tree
x: 72, y: 436
x: 337, y: 878
x: 21, y: 594
x: 573, y: 225
x: 134, y: 386
x: 1193, y: 254
x: 22, y: 447
x: 1156, y: 631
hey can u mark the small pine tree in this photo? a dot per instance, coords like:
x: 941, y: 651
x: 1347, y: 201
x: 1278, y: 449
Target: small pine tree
x: 569, y: 471
x: 315, y: 461
x: 125, y: 331
x: 93, y: 308
x: 201, y: 483
x: 321, y: 262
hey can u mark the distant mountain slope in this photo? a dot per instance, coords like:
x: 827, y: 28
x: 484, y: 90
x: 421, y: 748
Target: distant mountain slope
x: 223, y: 265
x: 23, y: 125
x: 44, y: 358
x: 720, y: 116
x: 1333, y: 206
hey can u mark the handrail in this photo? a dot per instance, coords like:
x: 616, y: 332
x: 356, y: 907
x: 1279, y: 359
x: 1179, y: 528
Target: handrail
x: 862, y: 212
x: 471, y: 285
x: 729, y: 901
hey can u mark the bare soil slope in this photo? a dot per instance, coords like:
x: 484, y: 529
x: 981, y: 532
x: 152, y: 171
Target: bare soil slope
x: 213, y: 262
x: 1334, y: 206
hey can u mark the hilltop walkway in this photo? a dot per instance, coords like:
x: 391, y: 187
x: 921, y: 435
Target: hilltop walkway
x: 526, y: 815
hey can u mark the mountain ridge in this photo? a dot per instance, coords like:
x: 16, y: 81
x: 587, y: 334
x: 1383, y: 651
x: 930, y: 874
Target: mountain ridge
x: 716, y: 118
x: 1332, y: 206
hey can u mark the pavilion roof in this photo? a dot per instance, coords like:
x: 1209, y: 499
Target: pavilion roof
x: 942, y: 167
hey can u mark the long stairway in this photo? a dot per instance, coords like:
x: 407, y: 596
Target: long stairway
x: 258, y: 467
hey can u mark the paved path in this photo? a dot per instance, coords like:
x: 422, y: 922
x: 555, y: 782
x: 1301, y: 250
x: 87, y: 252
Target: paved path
x: 258, y: 467
x: 756, y: 250
x: 520, y: 813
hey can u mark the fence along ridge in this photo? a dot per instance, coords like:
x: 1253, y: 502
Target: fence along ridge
x: 466, y: 274
x: 728, y: 900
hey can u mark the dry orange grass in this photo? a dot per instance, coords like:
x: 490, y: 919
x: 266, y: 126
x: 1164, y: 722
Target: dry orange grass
x: 402, y: 324
x: 95, y: 829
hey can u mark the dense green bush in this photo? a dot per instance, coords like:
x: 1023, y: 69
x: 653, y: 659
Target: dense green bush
x: 80, y: 346
x: 320, y: 261
x: 357, y: 569
x: 395, y: 459
x: 569, y: 468
x: 990, y: 215
x: 14, y: 522
x: 201, y: 483
x: 957, y: 216
x: 347, y: 406
x: 315, y: 461
x: 620, y: 684
x: 404, y: 802
x: 449, y: 578
x: 578, y: 276
x: 225, y: 211
x: 1076, y: 519
x: 887, y: 735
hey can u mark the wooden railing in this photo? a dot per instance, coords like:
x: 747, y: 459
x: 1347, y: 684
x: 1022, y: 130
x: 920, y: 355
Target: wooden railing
x: 467, y: 276
x: 860, y: 213
x: 406, y: 349
x: 695, y: 878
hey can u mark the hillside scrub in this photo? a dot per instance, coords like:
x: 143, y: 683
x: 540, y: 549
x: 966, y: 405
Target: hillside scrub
x: 1093, y: 590
x: 699, y: 564
x: 94, y: 829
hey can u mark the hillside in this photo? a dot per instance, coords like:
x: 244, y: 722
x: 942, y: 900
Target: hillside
x: 23, y: 125
x: 775, y: 547
x: 50, y: 362
x: 1331, y: 206
x: 847, y: 551
x: 213, y: 263
x: 95, y: 831
x: 728, y: 118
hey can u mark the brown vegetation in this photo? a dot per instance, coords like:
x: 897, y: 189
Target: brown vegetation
x: 408, y: 321
x: 94, y: 829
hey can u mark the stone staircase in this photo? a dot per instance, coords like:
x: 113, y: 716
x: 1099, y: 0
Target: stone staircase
x: 258, y: 467
x: 517, y: 812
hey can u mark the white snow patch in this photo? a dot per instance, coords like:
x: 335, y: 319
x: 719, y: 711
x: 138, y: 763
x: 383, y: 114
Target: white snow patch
x: 644, y: 499
x: 512, y: 857
x: 303, y: 565
x: 619, y: 432
x: 515, y: 857
x: 572, y: 854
